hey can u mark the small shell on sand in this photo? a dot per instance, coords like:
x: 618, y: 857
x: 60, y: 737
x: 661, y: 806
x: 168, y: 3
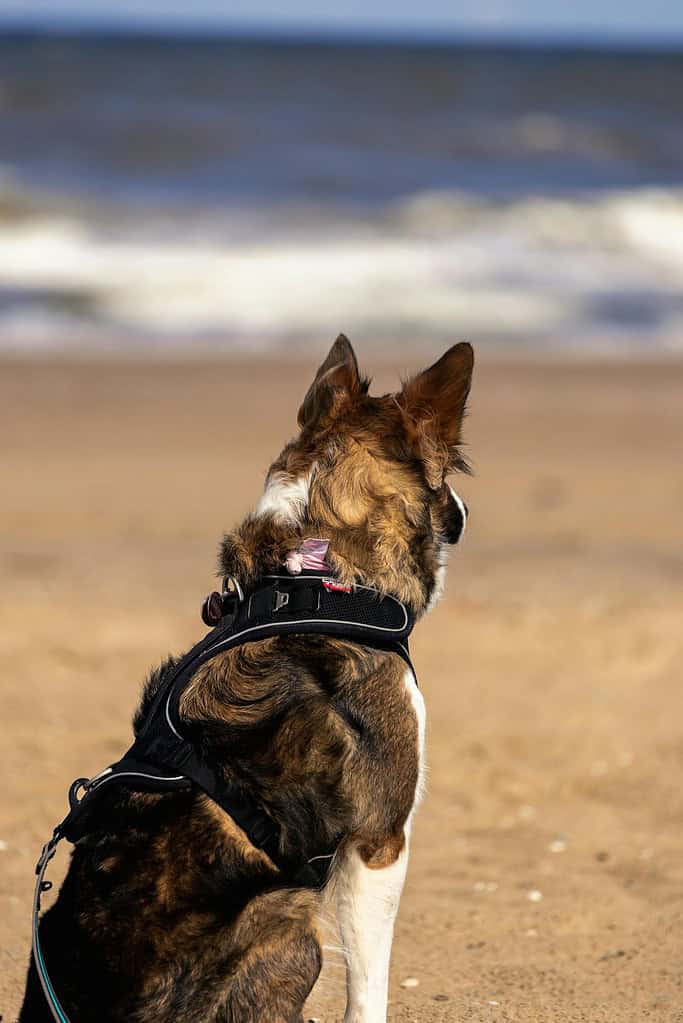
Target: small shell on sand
x: 484, y: 886
x: 558, y: 845
x: 534, y: 895
x: 410, y: 982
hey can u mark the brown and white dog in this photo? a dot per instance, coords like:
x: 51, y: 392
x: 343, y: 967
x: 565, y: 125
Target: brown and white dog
x: 168, y: 914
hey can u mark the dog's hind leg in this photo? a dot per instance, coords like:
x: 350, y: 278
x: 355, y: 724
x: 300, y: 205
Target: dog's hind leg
x: 273, y: 982
x: 275, y: 973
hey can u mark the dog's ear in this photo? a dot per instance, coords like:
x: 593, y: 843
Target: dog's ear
x: 337, y: 377
x: 434, y: 405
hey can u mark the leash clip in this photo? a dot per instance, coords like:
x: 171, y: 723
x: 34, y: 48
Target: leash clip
x: 50, y: 847
x: 74, y: 799
x: 47, y: 853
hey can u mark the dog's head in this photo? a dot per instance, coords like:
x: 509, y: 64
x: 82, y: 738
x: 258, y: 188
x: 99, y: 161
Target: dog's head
x: 369, y: 475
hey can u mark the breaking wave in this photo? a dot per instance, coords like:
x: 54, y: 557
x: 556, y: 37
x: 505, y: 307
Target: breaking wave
x: 602, y: 271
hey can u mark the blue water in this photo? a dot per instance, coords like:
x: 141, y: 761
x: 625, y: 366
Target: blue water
x: 541, y: 184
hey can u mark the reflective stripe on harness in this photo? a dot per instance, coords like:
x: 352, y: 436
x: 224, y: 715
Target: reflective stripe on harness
x: 162, y: 758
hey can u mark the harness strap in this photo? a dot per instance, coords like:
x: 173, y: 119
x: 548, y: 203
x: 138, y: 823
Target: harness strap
x: 43, y: 886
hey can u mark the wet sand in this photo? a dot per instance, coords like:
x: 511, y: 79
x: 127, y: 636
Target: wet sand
x: 546, y: 882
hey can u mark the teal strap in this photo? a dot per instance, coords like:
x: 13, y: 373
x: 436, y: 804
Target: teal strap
x: 42, y: 886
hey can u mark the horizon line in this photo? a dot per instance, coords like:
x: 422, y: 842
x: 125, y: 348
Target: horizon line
x: 224, y: 30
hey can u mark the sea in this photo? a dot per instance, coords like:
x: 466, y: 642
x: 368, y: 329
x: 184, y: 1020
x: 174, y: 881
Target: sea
x: 160, y: 194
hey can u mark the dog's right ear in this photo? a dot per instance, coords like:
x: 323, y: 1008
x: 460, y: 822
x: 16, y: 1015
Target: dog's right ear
x: 338, y: 377
x: 434, y: 405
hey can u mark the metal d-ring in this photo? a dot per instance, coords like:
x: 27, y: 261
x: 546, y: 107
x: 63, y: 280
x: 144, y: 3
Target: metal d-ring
x: 76, y: 786
x: 236, y: 591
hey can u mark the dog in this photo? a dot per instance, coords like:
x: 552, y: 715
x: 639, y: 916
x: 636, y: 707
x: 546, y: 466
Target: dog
x: 169, y: 913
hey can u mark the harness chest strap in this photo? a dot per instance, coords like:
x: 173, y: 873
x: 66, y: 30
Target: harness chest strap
x: 162, y: 758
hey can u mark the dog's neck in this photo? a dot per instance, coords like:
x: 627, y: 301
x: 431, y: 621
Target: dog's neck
x: 278, y: 537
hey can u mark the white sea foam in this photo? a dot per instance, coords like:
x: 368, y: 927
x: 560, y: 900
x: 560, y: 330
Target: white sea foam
x: 603, y: 269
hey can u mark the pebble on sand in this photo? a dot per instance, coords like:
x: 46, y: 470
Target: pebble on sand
x: 484, y: 886
x: 558, y: 845
x: 534, y: 895
x: 410, y: 982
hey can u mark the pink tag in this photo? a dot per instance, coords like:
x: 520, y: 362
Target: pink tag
x: 312, y: 555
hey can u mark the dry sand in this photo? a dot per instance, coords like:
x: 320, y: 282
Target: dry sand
x: 551, y: 669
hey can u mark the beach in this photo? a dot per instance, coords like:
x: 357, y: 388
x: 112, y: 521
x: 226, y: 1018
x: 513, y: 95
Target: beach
x: 546, y: 881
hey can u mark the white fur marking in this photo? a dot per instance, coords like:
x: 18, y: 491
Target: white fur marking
x: 367, y: 905
x: 461, y: 505
x: 417, y: 700
x: 439, y: 577
x: 368, y: 902
x: 284, y: 498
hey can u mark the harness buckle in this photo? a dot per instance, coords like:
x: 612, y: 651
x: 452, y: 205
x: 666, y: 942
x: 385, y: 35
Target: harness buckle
x: 280, y: 600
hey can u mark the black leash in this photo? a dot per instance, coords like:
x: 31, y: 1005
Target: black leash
x: 162, y: 758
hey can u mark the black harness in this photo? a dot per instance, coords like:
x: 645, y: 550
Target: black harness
x: 162, y: 758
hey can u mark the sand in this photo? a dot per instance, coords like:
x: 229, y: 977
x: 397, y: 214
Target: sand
x: 546, y: 881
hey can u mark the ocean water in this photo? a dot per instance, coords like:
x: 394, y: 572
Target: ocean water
x: 166, y: 193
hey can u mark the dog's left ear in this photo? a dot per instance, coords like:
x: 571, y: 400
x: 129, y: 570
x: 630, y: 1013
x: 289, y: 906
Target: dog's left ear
x: 337, y: 377
x: 434, y: 404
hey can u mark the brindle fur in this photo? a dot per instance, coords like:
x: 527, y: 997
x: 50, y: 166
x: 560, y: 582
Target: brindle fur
x: 168, y: 914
